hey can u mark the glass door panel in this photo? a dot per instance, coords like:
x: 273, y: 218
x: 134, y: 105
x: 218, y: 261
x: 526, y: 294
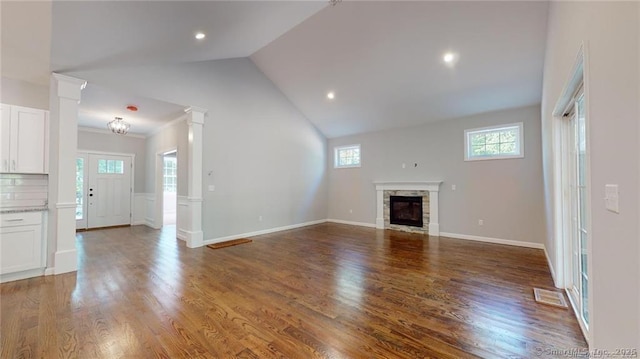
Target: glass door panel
x: 81, y: 190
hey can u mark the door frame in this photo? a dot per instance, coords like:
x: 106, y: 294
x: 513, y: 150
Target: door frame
x: 158, y: 216
x: 579, y: 76
x: 86, y: 153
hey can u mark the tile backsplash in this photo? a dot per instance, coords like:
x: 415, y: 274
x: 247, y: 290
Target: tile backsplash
x: 23, y: 190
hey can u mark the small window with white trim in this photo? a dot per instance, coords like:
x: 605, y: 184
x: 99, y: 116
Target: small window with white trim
x: 495, y: 142
x: 347, y: 156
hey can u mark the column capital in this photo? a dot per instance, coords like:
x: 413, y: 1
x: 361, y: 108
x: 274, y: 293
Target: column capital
x: 195, y: 115
x: 67, y: 86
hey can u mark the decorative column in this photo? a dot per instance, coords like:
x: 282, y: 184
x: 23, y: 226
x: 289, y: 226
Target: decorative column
x: 193, y: 230
x: 63, y: 146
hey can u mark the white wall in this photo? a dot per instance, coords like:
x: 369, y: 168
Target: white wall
x: 106, y: 142
x: 172, y: 137
x: 263, y: 156
x: 610, y: 30
x: 506, y: 194
x: 22, y: 93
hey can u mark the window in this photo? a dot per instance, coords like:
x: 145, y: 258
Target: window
x: 79, y: 188
x: 170, y: 178
x: 347, y: 156
x: 496, y: 142
x: 111, y: 166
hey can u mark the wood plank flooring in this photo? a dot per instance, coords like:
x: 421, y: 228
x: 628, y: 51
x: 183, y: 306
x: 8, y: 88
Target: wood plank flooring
x: 325, y: 291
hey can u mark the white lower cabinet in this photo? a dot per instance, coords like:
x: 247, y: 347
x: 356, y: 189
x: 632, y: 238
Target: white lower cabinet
x: 22, y: 246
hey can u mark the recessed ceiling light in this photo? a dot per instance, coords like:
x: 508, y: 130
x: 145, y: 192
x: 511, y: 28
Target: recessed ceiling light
x: 331, y: 95
x: 200, y: 35
x: 449, y: 57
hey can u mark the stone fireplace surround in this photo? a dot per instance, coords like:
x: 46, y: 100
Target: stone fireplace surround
x: 429, y: 188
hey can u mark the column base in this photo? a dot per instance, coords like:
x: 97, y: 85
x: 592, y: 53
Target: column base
x: 66, y: 261
x: 194, y: 239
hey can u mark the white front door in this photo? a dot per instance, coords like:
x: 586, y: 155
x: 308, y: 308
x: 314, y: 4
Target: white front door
x: 107, y: 190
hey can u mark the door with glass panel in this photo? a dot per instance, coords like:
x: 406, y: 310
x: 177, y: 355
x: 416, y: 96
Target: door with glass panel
x: 103, y: 190
x: 81, y: 182
x: 576, y: 183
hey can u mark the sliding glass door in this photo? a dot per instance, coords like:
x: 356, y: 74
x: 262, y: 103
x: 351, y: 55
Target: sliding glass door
x: 575, y: 180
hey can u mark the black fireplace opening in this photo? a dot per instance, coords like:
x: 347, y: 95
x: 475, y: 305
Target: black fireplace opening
x: 406, y: 210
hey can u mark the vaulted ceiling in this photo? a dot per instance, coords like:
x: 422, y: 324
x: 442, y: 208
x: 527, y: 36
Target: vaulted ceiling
x: 383, y: 60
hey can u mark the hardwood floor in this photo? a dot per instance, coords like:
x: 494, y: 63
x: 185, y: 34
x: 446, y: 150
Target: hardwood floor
x: 325, y: 291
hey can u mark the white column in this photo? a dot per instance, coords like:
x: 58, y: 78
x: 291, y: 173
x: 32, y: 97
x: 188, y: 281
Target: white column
x: 63, y: 144
x: 194, y: 234
x: 434, y: 224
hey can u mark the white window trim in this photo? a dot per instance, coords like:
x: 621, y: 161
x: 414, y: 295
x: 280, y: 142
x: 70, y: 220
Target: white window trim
x: 468, y: 132
x: 337, y: 149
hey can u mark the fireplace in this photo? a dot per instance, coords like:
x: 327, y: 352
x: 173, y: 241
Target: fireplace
x: 406, y: 210
x: 427, y: 190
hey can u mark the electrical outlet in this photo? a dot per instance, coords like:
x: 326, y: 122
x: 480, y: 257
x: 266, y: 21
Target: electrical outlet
x: 453, y: 187
x: 350, y: 211
x: 212, y: 188
x: 260, y: 218
x: 481, y: 222
x: 404, y: 165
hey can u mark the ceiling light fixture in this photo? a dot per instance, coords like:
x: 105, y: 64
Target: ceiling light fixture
x: 450, y: 58
x: 331, y: 95
x: 118, y: 126
x: 334, y: 2
x: 200, y: 35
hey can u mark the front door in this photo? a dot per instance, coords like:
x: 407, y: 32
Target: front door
x: 107, y: 190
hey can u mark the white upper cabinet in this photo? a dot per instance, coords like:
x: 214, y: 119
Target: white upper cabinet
x: 24, y: 136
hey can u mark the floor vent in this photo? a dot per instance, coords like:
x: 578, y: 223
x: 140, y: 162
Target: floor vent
x: 549, y: 297
x: 225, y: 244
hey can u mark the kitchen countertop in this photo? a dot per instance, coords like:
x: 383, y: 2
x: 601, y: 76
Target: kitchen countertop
x: 22, y: 210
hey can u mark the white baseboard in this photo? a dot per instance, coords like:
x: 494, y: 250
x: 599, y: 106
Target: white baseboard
x: 264, y: 231
x: 50, y: 271
x: 351, y: 223
x: 508, y: 242
x: 139, y: 223
x: 181, y: 234
x: 10, y: 277
x: 150, y: 222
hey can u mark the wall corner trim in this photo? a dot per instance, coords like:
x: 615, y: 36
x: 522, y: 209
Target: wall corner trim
x: 550, y: 264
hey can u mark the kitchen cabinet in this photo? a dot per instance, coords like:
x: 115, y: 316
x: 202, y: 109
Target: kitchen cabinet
x: 24, y: 140
x: 22, y: 245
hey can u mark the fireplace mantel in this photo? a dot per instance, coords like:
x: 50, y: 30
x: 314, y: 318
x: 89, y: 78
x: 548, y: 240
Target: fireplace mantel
x: 431, y: 186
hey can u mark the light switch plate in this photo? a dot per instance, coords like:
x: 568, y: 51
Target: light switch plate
x: 212, y: 188
x: 611, y: 198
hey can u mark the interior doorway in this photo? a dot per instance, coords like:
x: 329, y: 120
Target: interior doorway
x: 169, y: 187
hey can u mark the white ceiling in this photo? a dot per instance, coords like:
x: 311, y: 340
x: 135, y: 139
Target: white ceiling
x: 384, y: 62
x: 104, y: 34
x: 96, y: 34
x: 383, y: 59
x: 100, y: 105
